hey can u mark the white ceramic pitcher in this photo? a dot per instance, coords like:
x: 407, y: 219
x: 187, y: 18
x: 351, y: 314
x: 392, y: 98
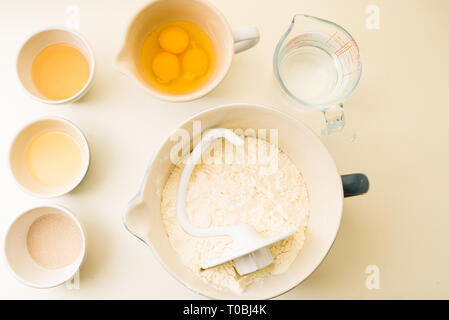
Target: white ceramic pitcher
x: 226, y: 40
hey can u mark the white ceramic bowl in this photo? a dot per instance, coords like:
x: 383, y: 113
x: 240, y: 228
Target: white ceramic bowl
x: 20, y: 262
x: 143, y: 216
x: 19, y: 147
x: 41, y: 40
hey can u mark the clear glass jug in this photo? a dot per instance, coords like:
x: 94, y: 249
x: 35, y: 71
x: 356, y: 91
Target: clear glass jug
x: 317, y: 64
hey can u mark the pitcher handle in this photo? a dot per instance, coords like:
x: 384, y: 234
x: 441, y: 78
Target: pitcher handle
x: 335, y: 119
x: 245, y: 38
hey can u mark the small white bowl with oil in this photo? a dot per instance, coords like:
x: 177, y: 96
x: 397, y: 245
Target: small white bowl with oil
x: 49, y: 157
x: 56, y: 66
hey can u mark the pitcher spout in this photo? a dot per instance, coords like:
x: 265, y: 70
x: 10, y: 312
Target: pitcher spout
x: 123, y: 62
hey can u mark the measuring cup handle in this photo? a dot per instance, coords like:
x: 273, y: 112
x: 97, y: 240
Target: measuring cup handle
x: 245, y: 38
x: 335, y: 119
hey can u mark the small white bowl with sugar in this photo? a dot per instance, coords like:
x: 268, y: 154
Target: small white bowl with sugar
x: 45, y: 246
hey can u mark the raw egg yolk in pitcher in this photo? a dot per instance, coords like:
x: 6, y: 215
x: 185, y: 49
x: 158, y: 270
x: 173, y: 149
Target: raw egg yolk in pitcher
x: 178, y: 57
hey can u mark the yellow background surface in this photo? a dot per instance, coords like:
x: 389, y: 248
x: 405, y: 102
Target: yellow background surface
x: 397, y: 133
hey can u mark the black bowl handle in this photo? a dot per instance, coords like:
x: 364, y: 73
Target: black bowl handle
x: 354, y: 184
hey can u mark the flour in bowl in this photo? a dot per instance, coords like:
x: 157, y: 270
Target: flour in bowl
x: 269, y: 195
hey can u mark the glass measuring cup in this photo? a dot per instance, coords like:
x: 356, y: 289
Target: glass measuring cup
x: 317, y: 64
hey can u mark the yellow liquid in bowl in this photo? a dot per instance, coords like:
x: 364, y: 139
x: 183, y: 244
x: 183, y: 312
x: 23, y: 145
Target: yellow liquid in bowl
x: 53, y: 159
x: 59, y: 71
x: 178, y: 57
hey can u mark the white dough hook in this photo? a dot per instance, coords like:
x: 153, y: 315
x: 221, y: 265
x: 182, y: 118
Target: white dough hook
x: 250, y: 251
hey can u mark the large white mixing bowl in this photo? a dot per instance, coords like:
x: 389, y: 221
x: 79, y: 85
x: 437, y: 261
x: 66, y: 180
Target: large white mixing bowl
x: 326, y: 191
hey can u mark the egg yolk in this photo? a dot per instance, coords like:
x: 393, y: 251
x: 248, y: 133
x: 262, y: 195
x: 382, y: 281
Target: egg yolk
x: 195, y: 63
x: 174, y: 40
x: 166, y: 66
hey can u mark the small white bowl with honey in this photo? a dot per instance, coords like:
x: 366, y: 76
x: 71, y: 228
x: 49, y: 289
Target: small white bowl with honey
x: 49, y: 157
x: 56, y: 66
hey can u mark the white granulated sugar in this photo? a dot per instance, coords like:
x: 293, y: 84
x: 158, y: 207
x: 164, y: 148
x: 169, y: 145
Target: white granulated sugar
x: 270, y: 196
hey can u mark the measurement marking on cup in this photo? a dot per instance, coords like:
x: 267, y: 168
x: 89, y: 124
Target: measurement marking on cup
x: 344, y: 48
x: 351, y: 72
x: 301, y: 36
x: 331, y: 37
x: 339, y: 38
x: 354, y: 53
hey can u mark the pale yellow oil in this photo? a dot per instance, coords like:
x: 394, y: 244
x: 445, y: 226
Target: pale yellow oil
x: 59, y: 71
x: 184, y: 82
x: 53, y: 159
